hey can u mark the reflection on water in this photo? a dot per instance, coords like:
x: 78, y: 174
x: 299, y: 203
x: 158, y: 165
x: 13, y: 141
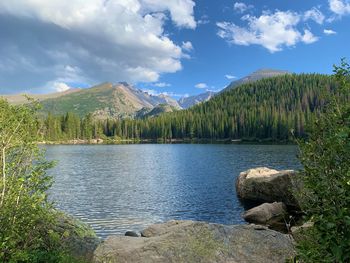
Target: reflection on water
x: 116, y: 188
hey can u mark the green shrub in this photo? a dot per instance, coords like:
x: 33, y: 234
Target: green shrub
x: 325, y: 156
x: 26, y: 216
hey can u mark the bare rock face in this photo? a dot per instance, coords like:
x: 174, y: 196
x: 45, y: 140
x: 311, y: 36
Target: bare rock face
x: 190, y: 241
x: 268, y: 214
x: 267, y: 185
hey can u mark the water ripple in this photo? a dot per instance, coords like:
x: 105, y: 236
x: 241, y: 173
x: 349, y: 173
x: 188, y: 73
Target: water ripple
x: 116, y: 188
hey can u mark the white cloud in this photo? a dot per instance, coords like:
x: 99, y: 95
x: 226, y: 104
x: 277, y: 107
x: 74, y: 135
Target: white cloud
x: 120, y: 40
x: 161, y: 84
x: 201, y: 86
x: 340, y: 7
x: 181, y: 11
x: 203, y: 20
x: 228, y: 76
x: 308, y: 37
x: 274, y: 31
x: 241, y: 7
x: 329, y: 32
x: 314, y: 14
x: 187, y: 46
x: 60, y: 86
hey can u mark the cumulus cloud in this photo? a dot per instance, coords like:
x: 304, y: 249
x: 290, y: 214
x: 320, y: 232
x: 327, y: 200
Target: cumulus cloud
x: 60, y: 87
x: 340, y: 7
x: 201, y: 86
x: 329, y: 32
x: 241, y: 7
x: 308, y: 37
x: 99, y: 40
x: 314, y: 14
x: 273, y: 31
x: 187, y: 46
x: 181, y: 11
x: 228, y: 76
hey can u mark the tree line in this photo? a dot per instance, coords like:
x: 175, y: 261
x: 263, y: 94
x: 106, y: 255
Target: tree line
x: 276, y: 109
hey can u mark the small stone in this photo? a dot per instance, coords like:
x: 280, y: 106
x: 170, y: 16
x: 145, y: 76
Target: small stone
x: 131, y: 234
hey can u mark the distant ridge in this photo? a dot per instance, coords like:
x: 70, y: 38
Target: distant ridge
x: 256, y: 75
x: 187, y: 102
x: 21, y: 98
x: 123, y: 100
x: 105, y: 100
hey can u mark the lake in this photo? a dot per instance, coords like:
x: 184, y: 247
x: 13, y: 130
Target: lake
x: 116, y: 188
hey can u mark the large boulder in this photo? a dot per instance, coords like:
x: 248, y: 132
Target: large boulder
x: 269, y: 214
x: 190, y: 241
x: 268, y: 185
x: 77, y: 238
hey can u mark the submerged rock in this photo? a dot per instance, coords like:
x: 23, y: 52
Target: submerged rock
x: 269, y: 214
x: 190, y: 241
x: 267, y: 185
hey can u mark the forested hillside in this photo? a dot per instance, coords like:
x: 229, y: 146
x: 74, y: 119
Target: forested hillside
x: 270, y: 109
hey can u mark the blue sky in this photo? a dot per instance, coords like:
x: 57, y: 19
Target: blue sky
x: 179, y: 47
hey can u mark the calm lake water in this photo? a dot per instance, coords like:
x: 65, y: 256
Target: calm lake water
x: 115, y: 188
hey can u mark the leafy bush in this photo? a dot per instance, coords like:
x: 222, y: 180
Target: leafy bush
x: 326, y: 179
x: 26, y: 215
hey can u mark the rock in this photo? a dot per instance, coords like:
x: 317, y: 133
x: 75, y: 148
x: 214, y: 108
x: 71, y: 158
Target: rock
x: 190, y: 241
x: 267, y: 185
x: 77, y: 238
x: 270, y: 214
x: 297, y: 231
x: 131, y: 234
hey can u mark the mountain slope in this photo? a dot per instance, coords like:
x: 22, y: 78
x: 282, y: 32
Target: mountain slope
x: 187, y: 102
x: 106, y: 100
x: 270, y: 108
x: 21, y: 98
x: 256, y: 75
x: 267, y: 109
x: 156, y: 111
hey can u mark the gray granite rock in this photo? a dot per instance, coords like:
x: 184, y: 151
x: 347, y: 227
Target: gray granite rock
x: 190, y: 241
x: 267, y: 185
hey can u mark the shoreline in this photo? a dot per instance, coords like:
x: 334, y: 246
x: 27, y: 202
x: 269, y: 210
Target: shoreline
x: 161, y: 141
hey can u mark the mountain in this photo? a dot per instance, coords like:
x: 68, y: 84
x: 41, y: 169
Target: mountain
x: 256, y: 75
x: 105, y: 100
x: 187, y: 102
x: 277, y: 108
x: 156, y: 111
x: 21, y: 98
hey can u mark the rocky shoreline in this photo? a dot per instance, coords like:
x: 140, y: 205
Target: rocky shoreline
x: 275, y: 196
x: 191, y: 241
x: 267, y: 238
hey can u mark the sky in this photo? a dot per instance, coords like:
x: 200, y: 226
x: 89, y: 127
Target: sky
x: 174, y: 47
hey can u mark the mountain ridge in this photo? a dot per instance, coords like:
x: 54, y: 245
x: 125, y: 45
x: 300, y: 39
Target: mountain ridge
x: 256, y: 75
x: 122, y: 100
